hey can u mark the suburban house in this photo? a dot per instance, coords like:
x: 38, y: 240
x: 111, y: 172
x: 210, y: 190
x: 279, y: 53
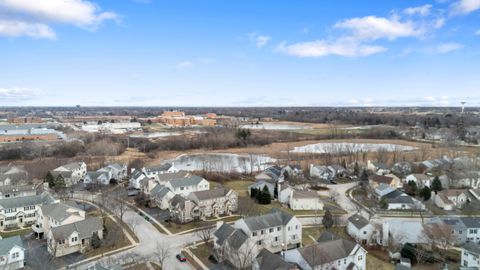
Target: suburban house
x: 74, y: 237
x: 338, y: 171
x: 12, y: 253
x: 54, y: 215
x: 449, y: 199
x: 154, y: 171
x: 305, y: 200
x: 117, y: 171
x: 150, y: 183
x: 266, y: 260
x: 390, y: 180
x: 98, y: 177
x: 378, y: 168
x: 20, y: 211
x: 362, y: 230
x: 17, y: 191
x: 464, y: 179
x: 160, y: 196
x: 72, y: 173
x: 329, y: 253
x: 292, y: 171
x: 436, y: 164
x: 396, y: 199
x: 403, y: 168
x: 284, y: 192
x: 321, y: 172
x: 242, y: 242
x: 475, y: 193
x: 261, y: 184
x: 271, y: 174
x: 186, y: 185
x: 215, y: 202
x: 13, y: 175
x: 421, y: 180
x: 203, y: 204
x: 136, y: 178
x: 465, y: 229
x: 470, y: 256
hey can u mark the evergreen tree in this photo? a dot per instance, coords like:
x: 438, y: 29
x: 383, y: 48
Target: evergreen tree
x: 266, y: 197
x: 411, y: 188
x: 383, y: 203
x: 327, y: 220
x: 253, y: 192
x: 59, y: 182
x: 364, y: 176
x: 356, y: 169
x: 50, y: 179
x: 426, y: 193
x: 436, y: 185
x: 96, y: 242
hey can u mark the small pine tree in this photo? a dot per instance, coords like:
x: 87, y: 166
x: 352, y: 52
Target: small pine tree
x: 253, y: 192
x: 436, y: 185
x: 411, y: 188
x: 364, y: 176
x: 327, y: 220
x: 383, y: 203
x: 59, y: 182
x: 426, y: 193
x: 356, y: 169
x: 50, y: 179
x: 266, y: 198
x: 96, y: 242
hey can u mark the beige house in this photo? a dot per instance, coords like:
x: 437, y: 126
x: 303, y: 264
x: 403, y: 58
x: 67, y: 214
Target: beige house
x: 305, y: 200
x: 74, y: 237
x: 54, y: 215
x: 451, y: 198
x: 390, y: 179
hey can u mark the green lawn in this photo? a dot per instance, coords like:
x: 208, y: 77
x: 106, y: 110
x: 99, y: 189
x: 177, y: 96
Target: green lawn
x: 20, y: 232
x: 202, y: 253
x: 240, y: 186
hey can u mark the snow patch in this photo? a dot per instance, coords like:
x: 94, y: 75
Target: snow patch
x: 336, y: 148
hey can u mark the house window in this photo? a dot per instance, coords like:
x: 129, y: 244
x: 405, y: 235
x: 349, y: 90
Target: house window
x: 364, y: 232
x: 279, y: 228
x: 360, y: 257
x: 275, y: 239
x: 259, y: 242
x: 344, y: 261
x: 261, y: 232
x: 296, y: 227
x: 15, y: 255
x: 288, y: 228
x: 254, y: 233
x: 74, y: 239
x: 270, y: 230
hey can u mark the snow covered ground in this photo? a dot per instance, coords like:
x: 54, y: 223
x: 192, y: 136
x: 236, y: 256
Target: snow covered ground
x: 322, y: 148
x: 156, y: 135
x: 222, y: 162
x: 276, y: 127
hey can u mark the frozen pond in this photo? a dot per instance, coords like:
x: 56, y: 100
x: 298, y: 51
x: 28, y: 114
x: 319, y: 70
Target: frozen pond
x: 222, y: 162
x: 335, y: 148
x: 276, y: 127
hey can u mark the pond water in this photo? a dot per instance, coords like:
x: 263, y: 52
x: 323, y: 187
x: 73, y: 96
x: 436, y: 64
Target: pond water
x: 334, y: 148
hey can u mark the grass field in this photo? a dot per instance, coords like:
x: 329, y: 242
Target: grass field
x: 315, y: 232
x: 20, y: 232
x: 121, y: 239
x: 375, y: 263
x: 202, y: 253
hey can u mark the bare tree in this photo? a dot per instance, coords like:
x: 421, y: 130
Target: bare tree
x: 205, y: 234
x: 162, y: 252
x: 438, y: 236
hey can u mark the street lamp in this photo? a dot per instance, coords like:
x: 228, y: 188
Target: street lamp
x: 283, y: 250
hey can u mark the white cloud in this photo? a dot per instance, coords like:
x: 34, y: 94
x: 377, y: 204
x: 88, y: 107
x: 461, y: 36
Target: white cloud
x: 185, y: 65
x: 19, y: 94
x: 32, y: 17
x: 19, y: 28
x: 448, y: 47
x: 429, y: 98
x: 464, y: 7
x: 421, y: 10
x: 319, y: 48
x: 259, y: 40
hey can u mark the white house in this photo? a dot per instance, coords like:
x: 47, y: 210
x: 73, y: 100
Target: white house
x: 12, y: 253
x: 186, y: 185
x: 321, y: 172
x: 421, y: 180
x: 404, y: 202
x: 241, y: 243
x: 154, y: 171
x: 98, y: 177
x: 136, y: 178
x: 54, y: 215
x: 470, y: 256
x: 17, y: 191
x: 305, y: 200
x: 149, y: 183
x: 329, y: 253
x: 117, y: 171
x: 448, y: 199
x: 362, y: 230
x: 72, y: 173
x: 284, y: 192
x: 161, y: 196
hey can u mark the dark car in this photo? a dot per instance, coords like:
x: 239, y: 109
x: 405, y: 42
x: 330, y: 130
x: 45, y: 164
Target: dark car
x: 181, y: 258
x: 212, y: 259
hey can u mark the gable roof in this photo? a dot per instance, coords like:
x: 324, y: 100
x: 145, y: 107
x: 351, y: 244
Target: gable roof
x: 223, y: 232
x: 209, y: 194
x: 305, y: 194
x: 158, y: 168
x: 471, y: 222
x: 420, y: 176
x: 85, y: 228
x: 6, y: 244
x: 71, y: 166
x: 326, y: 252
x: 269, y: 261
x: 472, y: 247
x: 327, y: 236
x: 275, y: 218
x: 16, y: 188
x: 173, y: 175
x: 358, y: 221
x: 381, y: 179
x: 44, y: 198
x: 192, y: 180
x: 59, y: 211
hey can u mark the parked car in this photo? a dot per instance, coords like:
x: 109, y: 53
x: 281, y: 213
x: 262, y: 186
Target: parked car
x: 181, y: 258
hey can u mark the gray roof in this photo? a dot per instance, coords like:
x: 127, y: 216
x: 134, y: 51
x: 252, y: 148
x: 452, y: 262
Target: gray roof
x: 326, y: 252
x: 158, y: 168
x: 269, y: 261
x: 85, y: 228
x: 401, y: 267
x: 58, y: 211
x: 16, y: 188
x: 159, y: 191
x: 472, y: 247
x: 401, y: 199
x: 6, y: 244
x: 64, y: 174
x: 186, y: 181
x: 223, y: 233
x: 237, y: 238
x: 72, y: 166
x: 117, y: 166
x: 471, y: 222
x: 44, y: 198
x: 209, y: 194
x: 275, y: 218
x: 136, y: 174
x: 327, y: 236
x: 305, y: 194
x: 172, y: 176
x: 178, y: 201
x: 96, y: 175
x: 358, y: 221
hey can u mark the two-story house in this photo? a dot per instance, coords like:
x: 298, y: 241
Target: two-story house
x: 305, y: 200
x: 21, y: 211
x: 12, y: 253
x: 187, y: 185
x: 74, y: 237
x: 150, y: 183
x: 470, y: 256
x: 117, y: 171
x: 7, y: 192
x: 98, y: 177
x: 241, y: 243
x: 465, y: 229
x: 360, y: 229
x: 154, y: 171
x: 449, y: 199
x: 54, y: 215
x: 11, y: 174
x: 329, y: 253
x: 72, y: 173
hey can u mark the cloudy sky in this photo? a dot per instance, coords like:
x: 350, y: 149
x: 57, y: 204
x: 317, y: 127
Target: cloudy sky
x: 239, y: 52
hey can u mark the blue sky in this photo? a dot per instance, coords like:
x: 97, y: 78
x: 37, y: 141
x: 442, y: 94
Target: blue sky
x: 239, y: 53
